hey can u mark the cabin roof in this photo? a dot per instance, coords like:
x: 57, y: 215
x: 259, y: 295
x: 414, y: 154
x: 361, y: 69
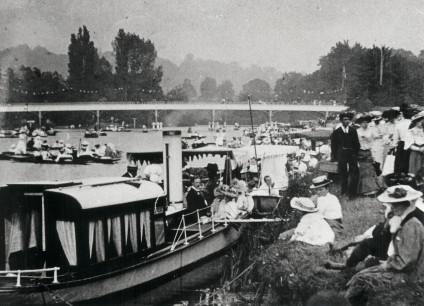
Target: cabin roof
x: 109, y: 194
x: 45, y: 184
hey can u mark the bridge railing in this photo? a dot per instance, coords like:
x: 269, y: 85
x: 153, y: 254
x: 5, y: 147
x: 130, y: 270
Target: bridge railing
x: 301, y: 103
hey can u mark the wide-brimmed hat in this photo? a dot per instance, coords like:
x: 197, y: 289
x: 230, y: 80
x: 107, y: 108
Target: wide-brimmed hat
x: 399, y: 193
x: 376, y: 115
x: 390, y: 114
x: 320, y: 181
x: 84, y: 143
x: 344, y: 115
x: 303, y: 204
x: 417, y: 117
x: 363, y: 119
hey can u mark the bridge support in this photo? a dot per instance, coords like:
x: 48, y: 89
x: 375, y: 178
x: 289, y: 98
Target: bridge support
x: 98, y: 119
x: 156, y: 115
x: 40, y: 117
x: 270, y: 116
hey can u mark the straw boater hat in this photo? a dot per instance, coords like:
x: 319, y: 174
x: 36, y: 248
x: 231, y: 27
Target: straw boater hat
x: 399, y: 193
x: 320, y: 181
x: 303, y: 204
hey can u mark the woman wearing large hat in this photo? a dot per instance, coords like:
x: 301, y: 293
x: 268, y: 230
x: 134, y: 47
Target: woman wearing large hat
x: 414, y: 140
x: 312, y: 228
x: 405, y: 263
x: 328, y: 205
x: 368, y: 181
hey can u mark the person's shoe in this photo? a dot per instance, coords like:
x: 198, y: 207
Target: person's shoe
x: 328, y: 264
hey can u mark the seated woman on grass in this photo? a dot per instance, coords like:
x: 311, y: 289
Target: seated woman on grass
x: 312, y: 228
x: 405, y: 261
x: 328, y: 204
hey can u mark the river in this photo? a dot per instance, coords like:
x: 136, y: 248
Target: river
x: 186, y: 288
x: 134, y: 141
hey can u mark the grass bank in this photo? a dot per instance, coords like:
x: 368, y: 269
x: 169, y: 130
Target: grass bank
x: 293, y: 273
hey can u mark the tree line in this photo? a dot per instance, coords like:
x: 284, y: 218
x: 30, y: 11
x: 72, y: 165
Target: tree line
x: 352, y: 74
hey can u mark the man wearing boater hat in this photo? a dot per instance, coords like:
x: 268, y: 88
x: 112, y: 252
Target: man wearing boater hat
x: 344, y: 149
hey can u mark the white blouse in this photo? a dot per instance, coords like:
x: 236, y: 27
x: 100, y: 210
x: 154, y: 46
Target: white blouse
x: 366, y: 138
x: 414, y: 136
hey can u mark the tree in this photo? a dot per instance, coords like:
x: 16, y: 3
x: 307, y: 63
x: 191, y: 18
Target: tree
x: 82, y: 63
x: 135, y: 71
x: 226, y: 91
x: 185, y: 92
x: 258, y: 89
x: 290, y: 87
x: 208, y: 89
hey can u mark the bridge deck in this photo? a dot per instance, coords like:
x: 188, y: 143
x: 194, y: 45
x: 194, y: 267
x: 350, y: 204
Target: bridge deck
x: 103, y: 106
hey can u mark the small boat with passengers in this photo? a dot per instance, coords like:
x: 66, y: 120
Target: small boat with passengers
x: 84, y: 239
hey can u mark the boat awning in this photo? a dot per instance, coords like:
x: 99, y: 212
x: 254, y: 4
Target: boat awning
x: 103, y: 195
x: 317, y: 135
x: 146, y: 157
x: 208, y: 150
x: 201, y: 157
x: 244, y: 154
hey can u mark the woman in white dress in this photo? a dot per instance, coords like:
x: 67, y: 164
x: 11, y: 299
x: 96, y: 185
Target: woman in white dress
x: 377, y: 148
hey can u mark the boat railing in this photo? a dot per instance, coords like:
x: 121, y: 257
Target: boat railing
x: 182, y: 227
x: 17, y: 273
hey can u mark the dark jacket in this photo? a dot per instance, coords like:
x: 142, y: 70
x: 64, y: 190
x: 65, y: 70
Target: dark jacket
x: 339, y: 140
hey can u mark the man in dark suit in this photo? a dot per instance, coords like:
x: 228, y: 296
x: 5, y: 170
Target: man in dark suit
x: 344, y: 149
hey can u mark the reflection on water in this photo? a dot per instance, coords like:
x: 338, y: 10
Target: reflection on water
x: 183, y: 289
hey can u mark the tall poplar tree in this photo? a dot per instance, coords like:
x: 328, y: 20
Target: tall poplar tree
x: 135, y: 70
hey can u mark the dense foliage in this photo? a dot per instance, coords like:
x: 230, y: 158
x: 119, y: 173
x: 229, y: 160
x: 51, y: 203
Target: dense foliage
x: 360, y: 77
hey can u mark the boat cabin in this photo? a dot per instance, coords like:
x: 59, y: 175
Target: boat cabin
x: 81, y: 227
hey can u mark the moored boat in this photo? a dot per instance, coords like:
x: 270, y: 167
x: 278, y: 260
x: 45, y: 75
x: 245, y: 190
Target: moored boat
x: 65, y: 160
x: 81, y: 240
x: 8, y: 134
x: 91, y: 134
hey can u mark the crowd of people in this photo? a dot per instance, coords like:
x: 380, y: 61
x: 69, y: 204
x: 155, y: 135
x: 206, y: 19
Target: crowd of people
x: 38, y: 147
x: 370, y: 146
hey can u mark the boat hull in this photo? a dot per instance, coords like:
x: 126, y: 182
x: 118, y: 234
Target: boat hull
x: 146, y: 274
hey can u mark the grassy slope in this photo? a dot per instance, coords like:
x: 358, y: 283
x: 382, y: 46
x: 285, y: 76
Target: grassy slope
x: 294, y: 271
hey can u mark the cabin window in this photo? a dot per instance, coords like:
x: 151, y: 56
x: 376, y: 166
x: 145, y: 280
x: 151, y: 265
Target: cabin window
x: 13, y: 236
x: 131, y: 232
x: 145, y: 227
x: 159, y: 231
x: 114, y: 234
x: 96, y: 241
x: 22, y: 234
x: 66, y: 233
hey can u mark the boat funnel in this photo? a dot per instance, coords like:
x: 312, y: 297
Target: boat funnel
x: 173, y: 162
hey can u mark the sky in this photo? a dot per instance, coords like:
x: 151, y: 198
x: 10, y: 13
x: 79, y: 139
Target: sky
x: 289, y: 35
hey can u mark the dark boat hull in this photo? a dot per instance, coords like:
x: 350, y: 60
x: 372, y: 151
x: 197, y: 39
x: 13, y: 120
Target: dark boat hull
x: 145, y: 274
x: 39, y: 160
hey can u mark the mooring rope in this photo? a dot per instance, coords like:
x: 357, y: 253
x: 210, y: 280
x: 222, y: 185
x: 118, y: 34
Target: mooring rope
x: 226, y: 285
x: 55, y: 295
